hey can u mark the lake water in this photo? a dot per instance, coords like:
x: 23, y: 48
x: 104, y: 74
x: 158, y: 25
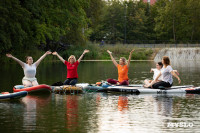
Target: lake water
x: 99, y: 112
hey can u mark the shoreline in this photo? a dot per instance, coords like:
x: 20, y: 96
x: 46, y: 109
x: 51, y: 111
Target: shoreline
x: 111, y: 60
x: 102, y: 60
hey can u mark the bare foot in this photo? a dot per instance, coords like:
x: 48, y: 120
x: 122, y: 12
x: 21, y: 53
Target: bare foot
x: 145, y: 86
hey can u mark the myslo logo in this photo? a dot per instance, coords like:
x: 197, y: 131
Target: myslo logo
x: 179, y: 124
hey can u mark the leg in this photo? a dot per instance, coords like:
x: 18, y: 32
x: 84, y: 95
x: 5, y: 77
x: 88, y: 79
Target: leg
x: 67, y: 81
x: 150, y: 84
x: 73, y: 82
x: 27, y: 83
x: 112, y: 81
x: 147, y: 82
x: 125, y: 82
x: 35, y: 83
x: 161, y: 83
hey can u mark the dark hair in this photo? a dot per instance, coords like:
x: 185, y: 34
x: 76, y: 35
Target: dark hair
x: 160, y: 64
x: 166, y: 60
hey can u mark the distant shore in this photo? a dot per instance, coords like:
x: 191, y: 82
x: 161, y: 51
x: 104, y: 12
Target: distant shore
x: 97, y: 53
x: 117, y: 60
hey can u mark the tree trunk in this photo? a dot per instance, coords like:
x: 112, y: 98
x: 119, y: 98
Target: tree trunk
x: 174, y: 32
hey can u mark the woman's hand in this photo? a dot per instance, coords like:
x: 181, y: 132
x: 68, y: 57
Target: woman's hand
x: 132, y: 51
x: 86, y: 51
x: 48, y: 52
x: 129, y: 58
x: 179, y: 80
x: 9, y: 55
x: 109, y: 52
x: 113, y: 60
x: 54, y: 53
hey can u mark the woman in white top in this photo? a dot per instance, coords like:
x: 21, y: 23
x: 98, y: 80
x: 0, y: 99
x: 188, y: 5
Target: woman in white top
x: 148, y: 83
x: 167, y: 73
x: 29, y: 69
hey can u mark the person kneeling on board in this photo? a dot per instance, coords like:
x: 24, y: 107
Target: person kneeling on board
x: 29, y: 68
x: 122, y: 68
x: 72, y: 65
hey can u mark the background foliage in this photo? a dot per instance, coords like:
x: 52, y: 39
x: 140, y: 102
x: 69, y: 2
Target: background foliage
x: 57, y: 25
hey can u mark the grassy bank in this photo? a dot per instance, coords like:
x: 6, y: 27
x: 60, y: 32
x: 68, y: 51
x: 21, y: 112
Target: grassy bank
x: 96, y: 53
x: 119, y: 50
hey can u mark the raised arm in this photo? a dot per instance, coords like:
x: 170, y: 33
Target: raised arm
x: 14, y: 58
x: 113, y: 60
x: 41, y: 58
x: 84, y: 52
x: 55, y: 53
x: 129, y: 59
x: 174, y: 74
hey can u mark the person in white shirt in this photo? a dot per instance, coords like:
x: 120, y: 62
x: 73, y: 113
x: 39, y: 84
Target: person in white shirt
x: 147, y: 82
x: 29, y: 69
x: 166, y: 73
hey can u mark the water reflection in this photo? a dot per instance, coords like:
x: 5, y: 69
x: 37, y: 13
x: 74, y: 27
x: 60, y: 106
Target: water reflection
x: 163, y: 105
x: 122, y: 103
x: 32, y: 110
x: 137, y: 113
x: 29, y: 115
x: 71, y: 112
x: 100, y: 112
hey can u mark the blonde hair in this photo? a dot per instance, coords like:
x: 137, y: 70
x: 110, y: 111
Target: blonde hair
x: 124, y: 60
x: 72, y: 56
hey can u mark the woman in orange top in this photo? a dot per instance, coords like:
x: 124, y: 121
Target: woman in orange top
x: 122, y: 69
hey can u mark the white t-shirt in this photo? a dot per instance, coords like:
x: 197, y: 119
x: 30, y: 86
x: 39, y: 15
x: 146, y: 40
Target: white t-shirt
x: 166, y: 74
x: 156, y: 73
x: 29, y: 71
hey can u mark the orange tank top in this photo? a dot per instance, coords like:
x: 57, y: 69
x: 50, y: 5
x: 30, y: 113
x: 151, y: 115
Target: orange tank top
x: 122, y: 73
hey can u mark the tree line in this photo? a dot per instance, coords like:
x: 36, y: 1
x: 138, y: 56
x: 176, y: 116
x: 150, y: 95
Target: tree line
x: 167, y: 21
x: 54, y: 24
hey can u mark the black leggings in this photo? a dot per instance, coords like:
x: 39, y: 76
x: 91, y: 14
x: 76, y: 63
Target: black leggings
x: 70, y: 81
x: 161, y: 84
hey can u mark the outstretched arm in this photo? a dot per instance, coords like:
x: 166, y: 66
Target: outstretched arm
x: 55, y: 53
x: 41, y: 58
x: 152, y: 70
x: 174, y: 74
x: 129, y: 59
x: 113, y: 60
x: 14, y: 58
x: 80, y: 58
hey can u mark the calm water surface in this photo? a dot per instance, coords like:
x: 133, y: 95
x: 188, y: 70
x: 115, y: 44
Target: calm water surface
x: 99, y: 112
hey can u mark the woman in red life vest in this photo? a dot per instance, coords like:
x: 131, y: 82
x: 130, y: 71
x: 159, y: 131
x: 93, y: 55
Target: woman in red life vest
x: 72, y: 66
